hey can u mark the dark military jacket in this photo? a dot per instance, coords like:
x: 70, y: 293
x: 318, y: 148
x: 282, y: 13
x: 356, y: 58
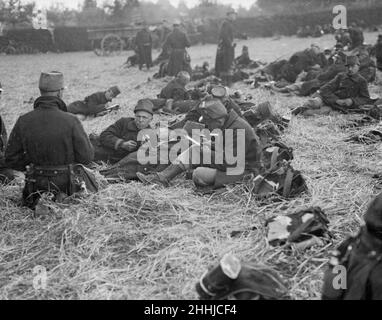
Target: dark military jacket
x: 331, y: 72
x: 3, y: 141
x: 345, y: 86
x: 48, y: 136
x: 3, y: 137
x: 122, y: 131
x: 92, y: 104
x: 356, y: 36
x: 143, y: 38
x: 252, y: 144
x: 174, y: 90
x: 227, y: 34
x: 177, y: 40
x: 96, y: 99
x: 303, y: 60
x: 378, y: 50
x: 362, y: 257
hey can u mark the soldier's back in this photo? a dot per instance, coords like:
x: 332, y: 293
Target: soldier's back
x: 47, y: 134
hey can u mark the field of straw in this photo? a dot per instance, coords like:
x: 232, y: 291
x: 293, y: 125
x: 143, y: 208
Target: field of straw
x: 131, y: 241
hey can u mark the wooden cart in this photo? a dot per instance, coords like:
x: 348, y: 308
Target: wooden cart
x: 111, y: 41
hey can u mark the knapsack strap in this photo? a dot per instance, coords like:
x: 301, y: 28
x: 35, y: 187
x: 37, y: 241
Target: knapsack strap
x: 274, y: 158
x: 288, y: 183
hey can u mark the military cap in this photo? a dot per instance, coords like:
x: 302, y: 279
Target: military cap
x: 51, y: 81
x: 176, y: 22
x: 352, y: 61
x: 115, y: 91
x: 232, y: 11
x: 373, y: 216
x: 145, y: 105
x: 265, y: 109
x: 213, y: 109
x: 219, y: 92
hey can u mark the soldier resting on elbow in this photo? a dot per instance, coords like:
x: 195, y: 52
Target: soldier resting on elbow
x: 96, y: 104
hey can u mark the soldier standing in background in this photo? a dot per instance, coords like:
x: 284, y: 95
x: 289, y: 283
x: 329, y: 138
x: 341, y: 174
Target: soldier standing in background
x: 378, y: 52
x: 177, y: 42
x: 144, y: 44
x: 226, y: 50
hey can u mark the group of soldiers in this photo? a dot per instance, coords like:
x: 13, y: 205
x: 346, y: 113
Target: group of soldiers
x: 46, y: 142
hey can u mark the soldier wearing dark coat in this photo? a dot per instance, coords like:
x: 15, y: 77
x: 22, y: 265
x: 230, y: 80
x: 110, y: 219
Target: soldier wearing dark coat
x: 94, y: 104
x: 225, y: 55
x: 378, y: 52
x: 302, y: 61
x: 121, y: 138
x: 177, y: 42
x: 46, y: 141
x: 6, y: 175
x: 361, y: 256
x: 173, y: 92
x: 356, y: 36
x: 368, y: 68
x: 348, y: 90
x: 144, y: 44
x: 216, y: 174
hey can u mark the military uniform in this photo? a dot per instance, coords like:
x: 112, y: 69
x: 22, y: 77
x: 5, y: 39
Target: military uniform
x: 173, y: 90
x: 345, y: 86
x: 368, y: 69
x: 378, y: 53
x: 109, y: 146
x: 143, y: 42
x: 177, y: 42
x: 214, y: 109
x: 47, y: 139
x: 252, y: 151
x: 311, y: 86
x: 362, y: 258
x: 356, y: 36
x: 226, y: 51
x: 302, y: 61
x: 109, y: 149
x: 6, y: 174
x: 92, y: 105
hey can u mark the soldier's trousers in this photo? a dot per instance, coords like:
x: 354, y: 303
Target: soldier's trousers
x: 45, y: 181
x: 80, y: 107
x: 145, y: 56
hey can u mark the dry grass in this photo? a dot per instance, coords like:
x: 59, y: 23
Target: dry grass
x: 130, y: 241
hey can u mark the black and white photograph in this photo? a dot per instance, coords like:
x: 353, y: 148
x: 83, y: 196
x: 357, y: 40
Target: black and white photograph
x: 190, y: 151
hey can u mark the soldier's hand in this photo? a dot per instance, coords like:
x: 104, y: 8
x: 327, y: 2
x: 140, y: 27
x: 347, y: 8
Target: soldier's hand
x: 129, y: 145
x: 340, y: 102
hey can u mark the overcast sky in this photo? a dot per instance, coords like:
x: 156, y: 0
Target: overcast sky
x: 76, y: 3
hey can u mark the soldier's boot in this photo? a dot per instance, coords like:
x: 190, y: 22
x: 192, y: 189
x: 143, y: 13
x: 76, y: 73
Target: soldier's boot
x: 162, y: 178
x: 299, y: 110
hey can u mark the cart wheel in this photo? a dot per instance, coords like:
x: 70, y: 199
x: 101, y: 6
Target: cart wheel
x: 9, y: 50
x: 111, y: 44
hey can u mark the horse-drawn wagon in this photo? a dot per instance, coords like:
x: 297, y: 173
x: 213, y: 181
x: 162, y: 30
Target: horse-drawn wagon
x: 110, y: 41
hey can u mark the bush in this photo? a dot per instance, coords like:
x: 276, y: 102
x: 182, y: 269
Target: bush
x: 39, y: 40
